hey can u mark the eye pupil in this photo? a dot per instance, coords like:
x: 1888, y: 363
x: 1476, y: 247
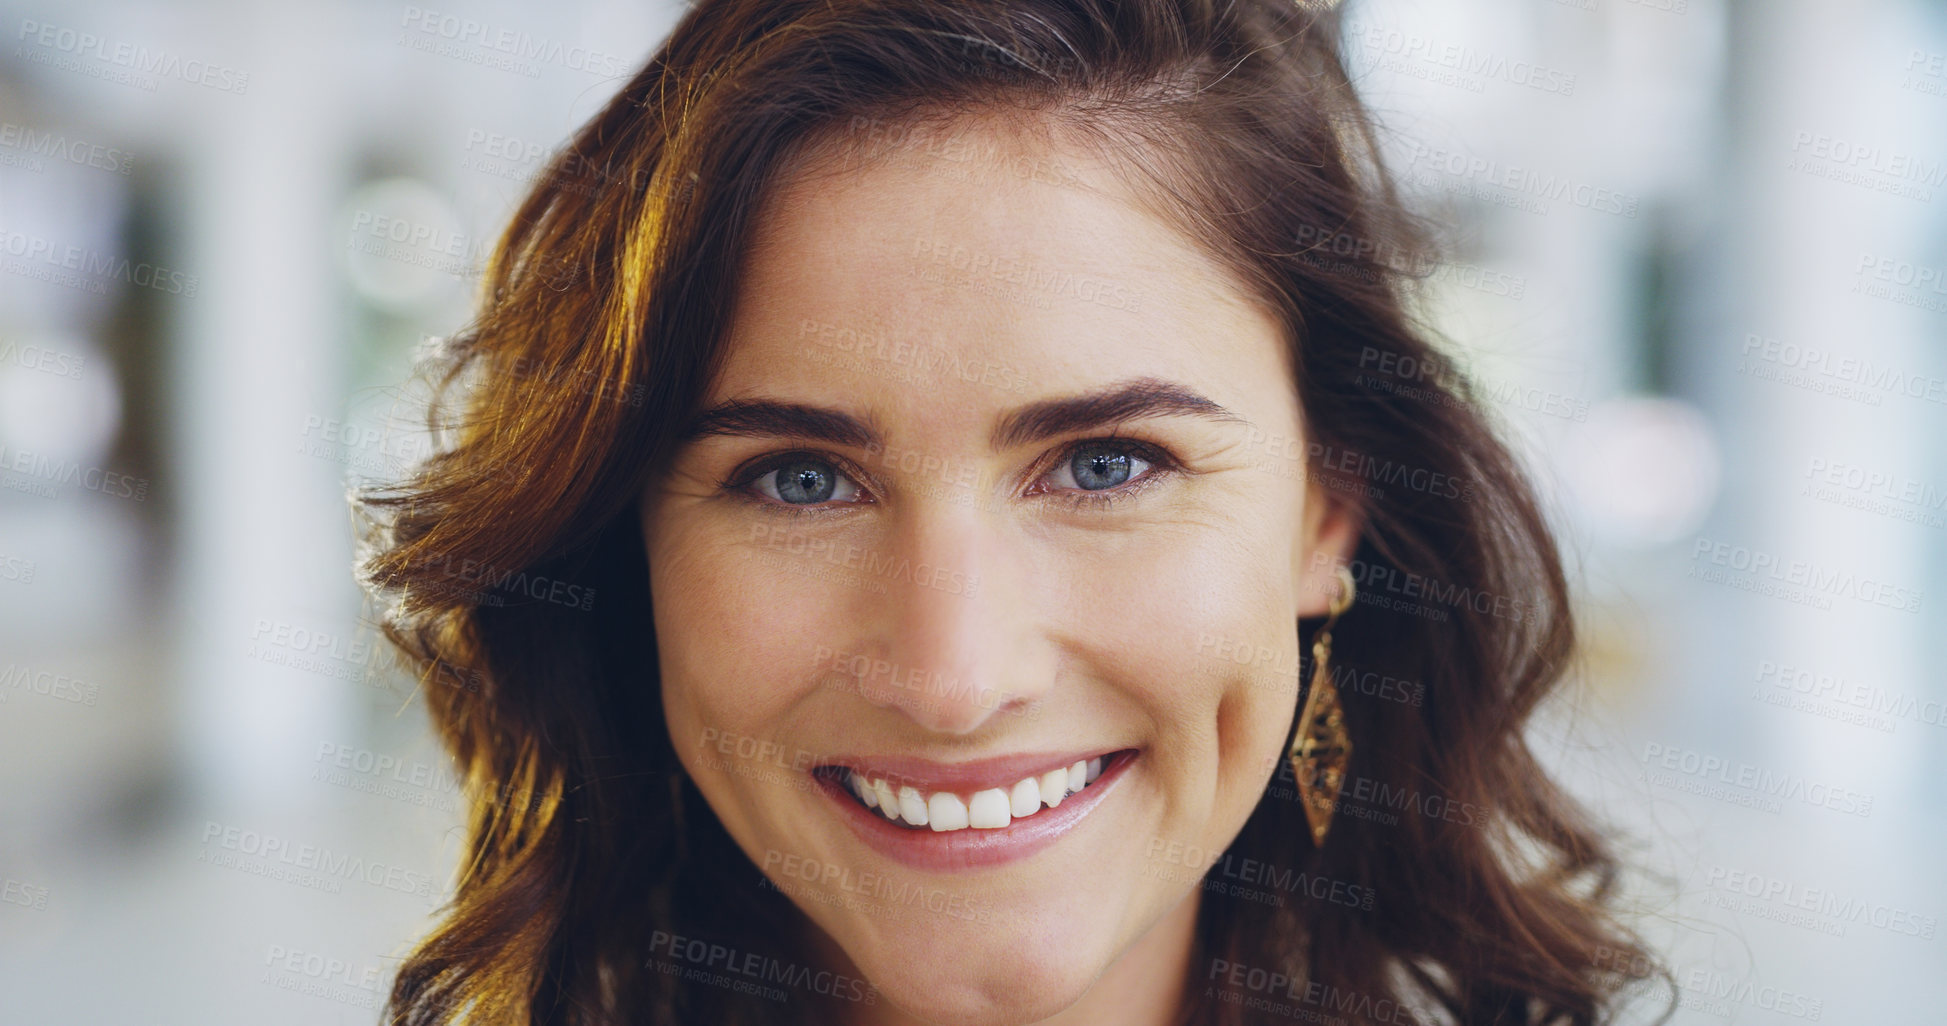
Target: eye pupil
x: 805, y: 482
x: 1096, y: 469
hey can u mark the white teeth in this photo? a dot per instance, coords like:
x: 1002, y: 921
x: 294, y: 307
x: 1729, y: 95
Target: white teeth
x: 988, y: 810
x: 1025, y: 799
x: 912, y: 806
x: 1054, y: 787
x: 946, y: 812
x: 992, y: 809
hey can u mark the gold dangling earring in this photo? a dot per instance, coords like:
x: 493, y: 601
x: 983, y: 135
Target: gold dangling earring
x: 1321, y: 749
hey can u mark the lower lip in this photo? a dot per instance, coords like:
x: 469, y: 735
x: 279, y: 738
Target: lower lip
x: 947, y: 851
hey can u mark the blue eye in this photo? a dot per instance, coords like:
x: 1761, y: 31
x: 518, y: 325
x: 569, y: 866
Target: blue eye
x: 1094, y: 466
x: 805, y: 481
x: 1097, y: 472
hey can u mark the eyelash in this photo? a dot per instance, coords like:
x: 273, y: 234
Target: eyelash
x: 1161, y: 463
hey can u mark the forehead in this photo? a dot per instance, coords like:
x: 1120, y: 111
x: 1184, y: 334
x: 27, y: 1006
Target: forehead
x: 976, y: 266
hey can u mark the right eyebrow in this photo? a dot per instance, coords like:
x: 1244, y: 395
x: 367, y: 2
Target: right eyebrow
x: 770, y: 418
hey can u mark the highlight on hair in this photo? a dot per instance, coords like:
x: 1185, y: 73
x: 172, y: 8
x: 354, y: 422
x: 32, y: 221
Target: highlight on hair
x: 602, y: 319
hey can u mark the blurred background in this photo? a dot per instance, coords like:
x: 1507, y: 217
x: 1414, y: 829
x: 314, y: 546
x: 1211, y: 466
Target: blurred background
x: 1696, y: 265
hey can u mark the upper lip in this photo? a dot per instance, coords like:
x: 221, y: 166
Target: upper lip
x: 1002, y: 771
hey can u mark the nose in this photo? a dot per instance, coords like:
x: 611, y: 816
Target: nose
x: 955, y: 634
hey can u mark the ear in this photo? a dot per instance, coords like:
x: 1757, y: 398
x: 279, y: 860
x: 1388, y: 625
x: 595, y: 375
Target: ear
x: 1329, y: 532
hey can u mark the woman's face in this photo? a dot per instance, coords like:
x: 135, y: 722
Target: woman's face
x: 1002, y: 477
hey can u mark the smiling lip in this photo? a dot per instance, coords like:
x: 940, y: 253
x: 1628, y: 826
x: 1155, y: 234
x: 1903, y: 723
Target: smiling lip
x: 959, y: 850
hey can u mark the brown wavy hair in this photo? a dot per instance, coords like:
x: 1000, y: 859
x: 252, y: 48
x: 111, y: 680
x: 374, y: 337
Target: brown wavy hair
x: 513, y: 558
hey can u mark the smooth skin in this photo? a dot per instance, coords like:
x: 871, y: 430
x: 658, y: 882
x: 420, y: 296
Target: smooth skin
x: 1059, y: 621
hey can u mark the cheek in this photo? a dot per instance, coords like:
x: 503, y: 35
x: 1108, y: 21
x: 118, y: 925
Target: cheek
x: 1196, y: 624
x: 746, y: 633
x: 1205, y: 603
x: 734, y: 649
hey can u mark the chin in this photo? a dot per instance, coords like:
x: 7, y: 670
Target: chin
x: 1010, y: 989
x: 1020, y: 961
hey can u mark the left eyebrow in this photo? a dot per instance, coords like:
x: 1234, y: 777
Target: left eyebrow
x: 1130, y: 400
